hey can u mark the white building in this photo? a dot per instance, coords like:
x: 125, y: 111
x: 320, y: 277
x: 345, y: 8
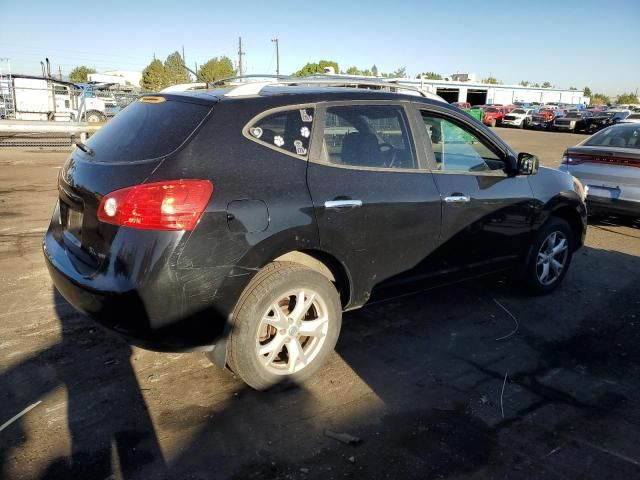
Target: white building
x: 477, y: 93
x: 121, y: 77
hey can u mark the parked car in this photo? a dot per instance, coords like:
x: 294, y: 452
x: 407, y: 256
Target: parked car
x: 574, y: 121
x: 462, y: 105
x: 244, y: 221
x: 607, y: 163
x: 542, y: 119
x: 606, y: 119
x: 632, y: 118
x: 519, y: 117
x: 493, y: 116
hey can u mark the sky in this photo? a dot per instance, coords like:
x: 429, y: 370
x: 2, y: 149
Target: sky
x: 568, y: 43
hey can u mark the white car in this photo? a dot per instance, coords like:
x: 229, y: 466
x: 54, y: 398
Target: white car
x: 633, y: 118
x: 518, y: 117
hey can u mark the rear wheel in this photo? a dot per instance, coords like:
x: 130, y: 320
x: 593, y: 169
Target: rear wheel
x: 94, y: 116
x: 550, y: 256
x: 286, y: 325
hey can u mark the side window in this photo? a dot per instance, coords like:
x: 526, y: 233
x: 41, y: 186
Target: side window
x: 368, y: 136
x: 457, y: 149
x: 286, y: 130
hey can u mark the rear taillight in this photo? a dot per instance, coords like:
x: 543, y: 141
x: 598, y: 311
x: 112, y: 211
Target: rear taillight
x: 170, y: 205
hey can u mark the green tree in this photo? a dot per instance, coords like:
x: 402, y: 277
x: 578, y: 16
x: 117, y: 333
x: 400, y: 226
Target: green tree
x: 599, y: 99
x: 524, y: 83
x: 374, y: 70
x: 154, y: 76
x: 80, y: 74
x: 367, y: 72
x: 175, y: 71
x: 216, y: 68
x: 314, y: 68
x: 547, y: 85
x: 431, y: 76
x: 400, y: 73
x: 627, y: 98
x: 587, y: 92
x: 352, y: 71
x: 491, y: 80
x: 573, y: 88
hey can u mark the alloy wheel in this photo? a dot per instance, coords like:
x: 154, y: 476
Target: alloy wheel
x: 552, y: 258
x: 292, y: 332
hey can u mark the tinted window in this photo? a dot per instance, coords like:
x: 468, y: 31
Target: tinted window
x: 289, y: 130
x: 457, y: 149
x: 519, y: 111
x: 623, y: 135
x: 146, y: 130
x: 368, y: 136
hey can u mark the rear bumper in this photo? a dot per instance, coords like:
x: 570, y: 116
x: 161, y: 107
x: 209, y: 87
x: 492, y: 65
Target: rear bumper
x: 621, y: 207
x: 159, y: 309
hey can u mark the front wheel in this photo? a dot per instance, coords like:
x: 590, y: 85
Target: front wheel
x: 286, y: 324
x: 550, y: 256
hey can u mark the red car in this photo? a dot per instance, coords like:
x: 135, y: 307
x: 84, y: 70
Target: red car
x: 493, y: 116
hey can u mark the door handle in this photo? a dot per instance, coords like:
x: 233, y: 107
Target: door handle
x: 457, y: 199
x: 342, y: 204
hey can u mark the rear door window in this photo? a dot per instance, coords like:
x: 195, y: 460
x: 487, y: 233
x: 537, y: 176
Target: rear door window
x: 146, y: 129
x: 288, y: 131
x: 373, y: 136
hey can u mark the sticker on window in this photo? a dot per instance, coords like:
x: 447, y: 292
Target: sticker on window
x: 304, y: 131
x: 305, y: 116
x: 300, y: 150
x: 256, y: 132
x: 278, y: 141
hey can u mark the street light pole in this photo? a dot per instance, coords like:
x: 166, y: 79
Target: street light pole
x: 275, y: 40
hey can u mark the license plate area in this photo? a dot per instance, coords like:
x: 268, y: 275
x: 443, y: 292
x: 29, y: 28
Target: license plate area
x: 71, y: 222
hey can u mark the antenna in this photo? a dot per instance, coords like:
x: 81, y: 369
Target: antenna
x: 195, y: 74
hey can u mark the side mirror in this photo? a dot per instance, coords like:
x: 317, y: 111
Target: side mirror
x: 527, y: 164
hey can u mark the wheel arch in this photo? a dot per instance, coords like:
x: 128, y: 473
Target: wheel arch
x: 573, y: 218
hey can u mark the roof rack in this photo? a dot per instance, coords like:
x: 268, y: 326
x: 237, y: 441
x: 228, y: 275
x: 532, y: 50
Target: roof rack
x: 244, y: 86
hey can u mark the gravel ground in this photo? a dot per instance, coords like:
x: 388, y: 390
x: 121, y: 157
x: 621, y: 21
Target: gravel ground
x: 423, y: 381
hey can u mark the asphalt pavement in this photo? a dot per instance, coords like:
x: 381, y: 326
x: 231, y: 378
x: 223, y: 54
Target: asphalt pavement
x: 474, y: 380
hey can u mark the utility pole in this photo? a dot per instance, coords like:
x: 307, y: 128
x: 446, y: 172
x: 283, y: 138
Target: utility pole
x: 59, y: 73
x: 240, y: 54
x: 275, y: 40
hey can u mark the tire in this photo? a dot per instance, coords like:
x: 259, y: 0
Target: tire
x: 493, y: 122
x: 550, y: 235
x: 94, y: 116
x: 259, y: 326
x: 521, y: 126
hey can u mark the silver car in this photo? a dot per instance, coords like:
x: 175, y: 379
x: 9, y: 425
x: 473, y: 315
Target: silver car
x: 608, y: 165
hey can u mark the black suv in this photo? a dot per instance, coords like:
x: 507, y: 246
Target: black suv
x: 244, y: 221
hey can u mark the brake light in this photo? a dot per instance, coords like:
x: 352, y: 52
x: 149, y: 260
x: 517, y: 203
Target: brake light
x: 170, y: 205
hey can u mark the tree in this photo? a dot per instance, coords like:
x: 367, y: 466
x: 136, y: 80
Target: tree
x: 547, y: 85
x: 431, y: 76
x: 314, y: 68
x: 573, y: 88
x: 599, y: 99
x: 626, y: 98
x: 524, y: 83
x: 175, y: 71
x: 400, y: 73
x: 491, y: 80
x: 216, y: 68
x: 80, y: 74
x: 536, y: 85
x: 154, y: 76
x: 366, y: 73
x: 374, y: 70
x: 587, y: 92
x: 352, y: 71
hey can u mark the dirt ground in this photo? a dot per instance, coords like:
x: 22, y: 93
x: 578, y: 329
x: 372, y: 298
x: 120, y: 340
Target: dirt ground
x: 440, y: 384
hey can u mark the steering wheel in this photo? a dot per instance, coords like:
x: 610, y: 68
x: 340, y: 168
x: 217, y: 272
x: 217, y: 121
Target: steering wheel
x: 386, y: 148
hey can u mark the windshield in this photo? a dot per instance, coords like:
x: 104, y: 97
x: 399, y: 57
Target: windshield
x: 492, y: 110
x: 519, y: 110
x: 622, y: 135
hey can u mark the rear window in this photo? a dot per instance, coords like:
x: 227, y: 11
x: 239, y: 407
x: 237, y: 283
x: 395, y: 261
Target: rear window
x: 145, y: 130
x: 623, y: 135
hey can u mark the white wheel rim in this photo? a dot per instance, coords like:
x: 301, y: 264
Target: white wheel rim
x: 552, y: 258
x: 292, y: 332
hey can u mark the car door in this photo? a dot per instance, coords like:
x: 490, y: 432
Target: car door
x: 376, y: 204
x: 486, y: 212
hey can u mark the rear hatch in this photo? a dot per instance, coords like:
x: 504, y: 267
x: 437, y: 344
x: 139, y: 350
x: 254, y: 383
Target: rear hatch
x: 123, y: 153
